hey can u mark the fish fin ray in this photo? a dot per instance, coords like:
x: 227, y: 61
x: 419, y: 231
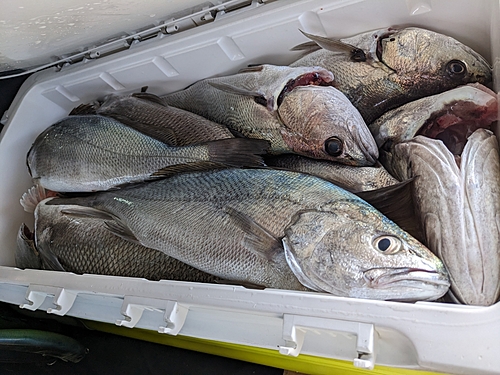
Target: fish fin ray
x: 49, y: 260
x: 257, y: 239
x: 396, y: 203
x: 119, y: 229
x: 86, y: 212
x: 238, y: 152
x: 85, y: 109
x: 26, y: 254
x: 149, y: 97
x: 306, y: 47
x: 335, y: 45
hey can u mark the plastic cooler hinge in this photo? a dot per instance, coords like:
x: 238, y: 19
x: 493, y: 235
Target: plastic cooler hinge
x: 63, y: 298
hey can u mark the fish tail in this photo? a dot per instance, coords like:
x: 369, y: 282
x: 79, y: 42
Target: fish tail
x: 238, y: 152
x: 35, y: 195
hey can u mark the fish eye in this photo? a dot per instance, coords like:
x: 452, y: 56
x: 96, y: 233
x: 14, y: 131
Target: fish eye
x: 387, y: 244
x: 456, y: 69
x: 334, y: 146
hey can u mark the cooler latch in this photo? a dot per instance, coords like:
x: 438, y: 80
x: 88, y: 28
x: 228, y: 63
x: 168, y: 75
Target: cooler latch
x: 174, y: 313
x: 295, y: 328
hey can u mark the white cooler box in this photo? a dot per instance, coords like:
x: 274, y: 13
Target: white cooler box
x: 309, y: 332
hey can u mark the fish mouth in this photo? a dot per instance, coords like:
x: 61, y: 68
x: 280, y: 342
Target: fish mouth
x: 381, y: 278
x: 308, y: 79
x: 455, y: 122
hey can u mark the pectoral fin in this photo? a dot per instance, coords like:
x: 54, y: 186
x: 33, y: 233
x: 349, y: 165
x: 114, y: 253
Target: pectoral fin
x: 257, y: 239
x: 335, y: 45
x: 230, y: 89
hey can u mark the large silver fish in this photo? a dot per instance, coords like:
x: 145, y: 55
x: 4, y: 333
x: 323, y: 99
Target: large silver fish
x: 90, y: 153
x: 451, y: 116
x: 84, y: 245
x: 272, y: 228
x: 383, y: 69
x: 148, y: 114
x: 459, y: 208
x: 296, y: 109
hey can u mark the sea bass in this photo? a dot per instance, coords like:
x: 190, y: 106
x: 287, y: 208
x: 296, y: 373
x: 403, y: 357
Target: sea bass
x: 148, y: 114
x: 383, y: 69
x: 296, y: 109
x: 459, y: 208
x: 90, y: 153
x: 272, y: 228
x: 451, y: 116
x: 61, y: 242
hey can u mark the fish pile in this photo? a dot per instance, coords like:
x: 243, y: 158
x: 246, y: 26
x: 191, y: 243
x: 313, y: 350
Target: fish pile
x: 326, y: 175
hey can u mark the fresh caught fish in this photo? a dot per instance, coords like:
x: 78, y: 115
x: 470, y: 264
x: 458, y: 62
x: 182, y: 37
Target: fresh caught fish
x: 272, y: 228
x: 383, y: 69
x: 458, y: 204
x: 89, y: 153
x: 148, y: 114
x: 451, y: 116
x: 84, y: 245
x: 296, y: 109
x: 353, y: 179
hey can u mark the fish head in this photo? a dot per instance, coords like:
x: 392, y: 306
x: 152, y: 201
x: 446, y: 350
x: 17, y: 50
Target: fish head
x: 354, y: 251
x: 321, y: 123
x: 431, y: 62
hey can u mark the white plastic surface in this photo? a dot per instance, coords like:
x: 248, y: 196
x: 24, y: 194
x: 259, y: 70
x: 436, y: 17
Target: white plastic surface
x: 431, y: 336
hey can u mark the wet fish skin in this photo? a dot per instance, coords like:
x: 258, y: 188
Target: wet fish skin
x: 147, y: 113
x: 462, y: 231
x: 451, y: 116
x: 90, y: 153
x: 237, y: 223
x: 401, y: 66
x: 353, y: 179
x: 281, y: 105
x: 84, y: 245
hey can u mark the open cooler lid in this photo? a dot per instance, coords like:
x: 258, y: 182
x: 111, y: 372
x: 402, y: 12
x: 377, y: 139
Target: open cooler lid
x: 41, y: 34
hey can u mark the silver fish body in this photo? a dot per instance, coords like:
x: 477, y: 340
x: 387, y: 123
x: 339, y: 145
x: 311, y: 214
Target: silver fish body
x: 90, y: 153
x: 399, y: 66
x: 273, y: 228
x: 296, y: 109
x: 84, y: 245
x: 353, y: 179
x: 451, y: 116
x: 459, y: 208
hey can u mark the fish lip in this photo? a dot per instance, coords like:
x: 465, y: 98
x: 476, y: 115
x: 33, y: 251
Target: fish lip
x: 386, y: 276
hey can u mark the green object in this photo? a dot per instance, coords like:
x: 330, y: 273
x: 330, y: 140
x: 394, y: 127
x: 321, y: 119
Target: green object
x: 306, y: 364
x: 45, y: 343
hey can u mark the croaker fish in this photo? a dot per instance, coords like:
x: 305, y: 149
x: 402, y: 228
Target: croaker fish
x: 296, y: 109
x: 90, y: 153
x: 272, y: 228
x: 451, y: 116
x: 383, y: 69
x: 459, y: 206
x: 84, y: 245
x: 150, y: 115
x: 353, y: 179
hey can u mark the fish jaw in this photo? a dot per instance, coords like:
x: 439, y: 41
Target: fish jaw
x: 314, y: 115
x: 322, y: 259
x: 411, y: 280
